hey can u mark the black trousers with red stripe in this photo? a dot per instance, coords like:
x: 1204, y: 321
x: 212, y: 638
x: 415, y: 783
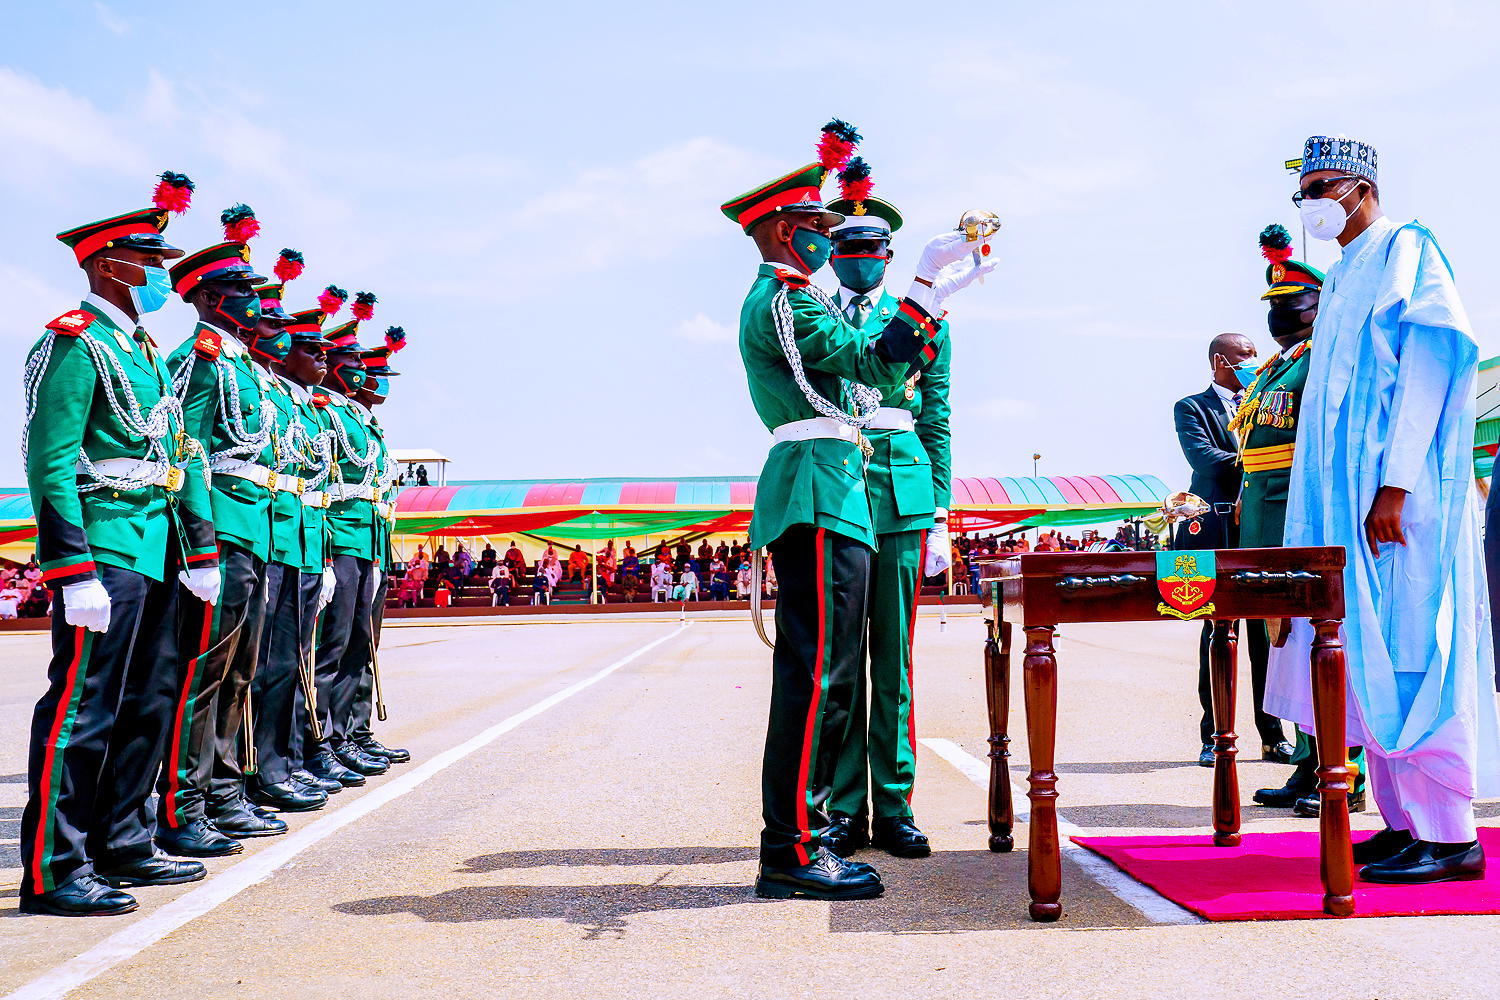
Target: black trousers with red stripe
x: 344, y: 647
x: 98, y: 731
x: 823, y: 588
x: 284, y: 647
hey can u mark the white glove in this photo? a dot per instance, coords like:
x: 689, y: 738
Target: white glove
x: 204, y: 584
x: 86, y: 605
x: 961, y: 274
x: 374, y: 580
x: 330, y: 583
x: 939, y: 552
x: 944, y: 249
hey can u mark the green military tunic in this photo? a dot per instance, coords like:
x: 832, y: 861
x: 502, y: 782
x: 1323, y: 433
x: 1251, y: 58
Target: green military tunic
x: 1267, y: 426
x: 820, y: 481
x: 353, y: 522
x: 311, y: 413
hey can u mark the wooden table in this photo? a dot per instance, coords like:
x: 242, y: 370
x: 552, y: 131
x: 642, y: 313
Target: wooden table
x: 1042, y: 590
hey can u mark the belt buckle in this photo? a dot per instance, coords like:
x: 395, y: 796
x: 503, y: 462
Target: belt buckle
x: 270, y: 480
x: 175, y: 479
x: 374, y: 494
x: 865, y: 447
x: 327, y: 499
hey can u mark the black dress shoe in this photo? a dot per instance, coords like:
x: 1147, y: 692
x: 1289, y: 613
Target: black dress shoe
x: 350, y: 756
x: 326, y: 765
x: 198, y: 839
x: 899, y: 837
x: 310, y: 780
x: 240, y: 822
x: 1311, y: 806
x: 845, y: 835
x: 1425, y: 861
x: 287, y: 796
x: 155, y: 870
x: 374, y: 748
x: 1277, y: 753
x: 1303, y: 782
x: 1385, y: 844
x: 827, y: 876
x: 1206, y: 756
x: 85, y: 896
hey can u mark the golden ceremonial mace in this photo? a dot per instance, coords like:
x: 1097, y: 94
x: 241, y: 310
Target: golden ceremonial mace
x: 976, y: 225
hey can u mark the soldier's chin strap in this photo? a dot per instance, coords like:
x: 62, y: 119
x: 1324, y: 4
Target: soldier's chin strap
x: 757, y: 575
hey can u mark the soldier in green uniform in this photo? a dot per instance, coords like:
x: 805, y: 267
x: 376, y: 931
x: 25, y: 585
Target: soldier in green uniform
x: 281, y: 660
x: 356, y: 538
x: 1267, y: 428
x: 805, y: 364
x: 202, y: 810
x: 373, y: 393
x: 906, y: 479
x: 122, y: 515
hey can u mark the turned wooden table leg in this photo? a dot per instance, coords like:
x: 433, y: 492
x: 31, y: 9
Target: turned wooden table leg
x: 997, y: 684
x: 1044, y: 860
x: 1222, y: 649
x: 1336, y: 857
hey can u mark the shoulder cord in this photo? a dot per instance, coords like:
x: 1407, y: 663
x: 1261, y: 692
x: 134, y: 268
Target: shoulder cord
x: 244, y: 446
x: 366, y: 462
x: 155, y: 425
x: 865, y: 400
x: 315, y: 456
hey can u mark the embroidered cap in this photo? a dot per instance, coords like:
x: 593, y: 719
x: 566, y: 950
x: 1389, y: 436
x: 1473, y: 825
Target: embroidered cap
x: 1350, y: 156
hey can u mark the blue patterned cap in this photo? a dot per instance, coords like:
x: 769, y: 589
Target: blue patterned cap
x: 1322, y: 152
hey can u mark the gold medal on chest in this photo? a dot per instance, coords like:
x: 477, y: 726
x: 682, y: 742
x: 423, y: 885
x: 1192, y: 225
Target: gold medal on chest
x: 911, y: 388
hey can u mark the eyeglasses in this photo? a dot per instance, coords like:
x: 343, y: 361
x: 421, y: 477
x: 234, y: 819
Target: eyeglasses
x: 1317, y: 188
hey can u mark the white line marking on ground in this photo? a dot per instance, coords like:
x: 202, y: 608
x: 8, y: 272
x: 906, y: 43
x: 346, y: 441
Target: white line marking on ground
x: 220, y: 888
x: 1152, y: 904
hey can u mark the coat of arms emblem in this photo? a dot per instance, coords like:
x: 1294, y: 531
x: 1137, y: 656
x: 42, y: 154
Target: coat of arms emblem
x: 1186, y: 583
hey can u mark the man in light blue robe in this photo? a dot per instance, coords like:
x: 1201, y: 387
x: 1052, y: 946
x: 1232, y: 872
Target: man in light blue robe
x: 1383, y: 468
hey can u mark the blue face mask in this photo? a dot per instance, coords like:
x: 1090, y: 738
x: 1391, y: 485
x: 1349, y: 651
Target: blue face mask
x: 381, y: 386
x: 859, y: 272
x: 153, y: 294
x: 1245, y: 372
x: 811, y: 248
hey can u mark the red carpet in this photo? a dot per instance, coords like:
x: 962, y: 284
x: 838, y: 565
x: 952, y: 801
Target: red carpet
x: 1274, y: 876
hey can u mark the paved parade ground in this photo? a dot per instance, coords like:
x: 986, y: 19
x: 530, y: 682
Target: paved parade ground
x: 580, y: 816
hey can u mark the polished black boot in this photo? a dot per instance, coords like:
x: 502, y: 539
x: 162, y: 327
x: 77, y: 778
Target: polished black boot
x: 287, y: 796
x: 1277, y: 753
x: 1311, y: 806
x: 827, y: 876
x: 900, y: 837
x: 155, y: 870
x: 845, y: 834
x: 198, y: 839
x: 1302, y: 782
x: 85, y: 896
x: 1425, y: 861
x: 326, y: 765
x: 238, y: 821
x: 1385, y: 844
x: 309, y: 780
x: 372, y: 747
x: 351, y: 757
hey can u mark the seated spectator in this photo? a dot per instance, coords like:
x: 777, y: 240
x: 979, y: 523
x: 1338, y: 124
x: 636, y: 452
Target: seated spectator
x: 488, y: 558
x: 578, y: 565
x: 705, y: 552
x: 410, y: 591
x: 501, y: 581
x: 743, y: 580
x: 608, y: 563
x: 441, y: 562
x: 630, y: 566
x: 627, y: 551
x: 552, y: 567
x: 687, y: 586
x: 463, y: 561
x: 37, y: 603
x: 661, y: 581
x: 662, y: 555
x: 722, y: 551
x: 630, y: 583
x: 541, y: 586
x: 443, y: 596
x: 10, y: 601
x: 514, y: 559
x: 718, y: 579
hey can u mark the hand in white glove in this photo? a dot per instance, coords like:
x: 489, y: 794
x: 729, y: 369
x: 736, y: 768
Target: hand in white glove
x: 939, y: 550
x: 86, y: 605
x: 944, y: 249
x: 961, y: 274
x: 375, y: 578
x: 204, y: 583
x: 330, y: 583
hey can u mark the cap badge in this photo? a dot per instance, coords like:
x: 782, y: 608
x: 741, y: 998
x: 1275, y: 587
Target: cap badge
x: 1278, y: 272
x: 245, y: 253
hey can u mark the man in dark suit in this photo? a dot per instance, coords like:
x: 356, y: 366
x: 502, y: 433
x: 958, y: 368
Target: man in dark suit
x: 1211, y: 449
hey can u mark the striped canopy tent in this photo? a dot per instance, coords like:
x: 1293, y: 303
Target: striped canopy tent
x: 1487, y: 433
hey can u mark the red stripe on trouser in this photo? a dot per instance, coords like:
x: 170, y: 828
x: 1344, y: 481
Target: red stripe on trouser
x: 911, y: 676
x: 814, y: 708
x: 175, y: 762
x: 57, y: 740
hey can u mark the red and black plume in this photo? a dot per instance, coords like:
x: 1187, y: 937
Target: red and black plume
x: 1276, y: 243
x: 855, y: 183
x: 240, y: 224
x: 288, y: 266
x: 837, y: 144
x: 174, y: 193
x: 395, y: 339
x: 331, y: 300
x: 364, y: 305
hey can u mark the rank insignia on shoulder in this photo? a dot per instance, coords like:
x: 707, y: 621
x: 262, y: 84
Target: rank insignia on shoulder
x: 209, y: 344
x: 792, y: 278
x: 320, y: 399
x: 71, y: 324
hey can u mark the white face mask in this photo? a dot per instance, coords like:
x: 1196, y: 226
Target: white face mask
x: 1325, y: 218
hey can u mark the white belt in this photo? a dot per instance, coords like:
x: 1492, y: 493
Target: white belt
x: 893, y: 418
x: 817, y: 427
x: 132, y: 468
x: 345, y: 491
x: 262, y: 476
x: 314, y: 498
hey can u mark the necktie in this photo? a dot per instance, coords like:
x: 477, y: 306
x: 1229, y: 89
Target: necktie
x: 1239, y: 398
x: 862, y: 310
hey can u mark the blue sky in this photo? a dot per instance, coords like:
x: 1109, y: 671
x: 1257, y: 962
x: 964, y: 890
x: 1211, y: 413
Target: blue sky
x: 532, y: 191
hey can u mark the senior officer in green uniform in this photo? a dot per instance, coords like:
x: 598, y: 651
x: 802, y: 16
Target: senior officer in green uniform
x: 805, y: 362
x: 225, y: 406
x: 122, y: 515
x: 907, y: 483
x: 1267, y: 429
x: 281, y: 660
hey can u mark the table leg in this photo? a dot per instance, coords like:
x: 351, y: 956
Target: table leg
x: 997, y: 685
x: 1222, y: 649
x: 1044, y: 858
x: 1336, y: 859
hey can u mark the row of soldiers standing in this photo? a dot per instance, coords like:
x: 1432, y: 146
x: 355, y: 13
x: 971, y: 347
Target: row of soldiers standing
x: 216, y: 525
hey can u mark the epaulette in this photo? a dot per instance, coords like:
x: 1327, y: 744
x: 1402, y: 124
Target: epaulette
x: 209, y: 344
x: 1300, y: 349
x: 793, y: 279
x: 320, y: 399
x: 71, y: 324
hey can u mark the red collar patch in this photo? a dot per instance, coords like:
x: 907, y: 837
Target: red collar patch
x: 209, y: 344
x: 71, y: 324
x: 793, y: 279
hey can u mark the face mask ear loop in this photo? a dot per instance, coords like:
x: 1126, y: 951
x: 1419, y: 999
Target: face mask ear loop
x: 791, y: 244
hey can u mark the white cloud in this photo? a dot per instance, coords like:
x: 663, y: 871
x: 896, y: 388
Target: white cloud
x: 112, y: 22
x: 703, y: 330
x: 44, y: 128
